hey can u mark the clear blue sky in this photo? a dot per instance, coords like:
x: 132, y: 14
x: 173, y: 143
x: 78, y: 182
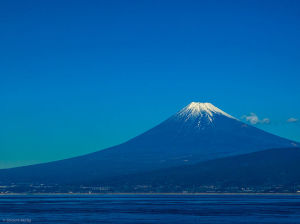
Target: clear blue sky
x: 78, y: 76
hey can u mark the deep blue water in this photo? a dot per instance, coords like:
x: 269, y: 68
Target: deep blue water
x: 150, y: 209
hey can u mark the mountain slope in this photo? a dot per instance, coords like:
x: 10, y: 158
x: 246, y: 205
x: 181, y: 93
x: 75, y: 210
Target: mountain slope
x: 274, y: 167
x: 198, y: 132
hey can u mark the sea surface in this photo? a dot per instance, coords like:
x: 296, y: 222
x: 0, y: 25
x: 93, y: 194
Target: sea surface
x: 131, y: 209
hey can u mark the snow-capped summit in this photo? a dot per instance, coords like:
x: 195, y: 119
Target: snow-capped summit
x: 202, y: 109
x: 199, y: 132
x: 201, y: 115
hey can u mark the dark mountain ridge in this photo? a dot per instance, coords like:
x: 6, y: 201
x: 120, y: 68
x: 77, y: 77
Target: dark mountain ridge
x: 273, y: 167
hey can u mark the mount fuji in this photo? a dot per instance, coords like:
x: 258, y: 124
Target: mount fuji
x: 198, y: 132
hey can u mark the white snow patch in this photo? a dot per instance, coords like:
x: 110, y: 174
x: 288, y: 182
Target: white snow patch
x: 196, y: 109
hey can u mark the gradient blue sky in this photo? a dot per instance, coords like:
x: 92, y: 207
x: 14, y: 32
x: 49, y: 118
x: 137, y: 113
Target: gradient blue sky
x: 79, y: 76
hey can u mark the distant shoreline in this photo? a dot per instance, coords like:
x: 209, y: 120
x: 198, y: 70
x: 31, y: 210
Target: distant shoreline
x: 8, y: 194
